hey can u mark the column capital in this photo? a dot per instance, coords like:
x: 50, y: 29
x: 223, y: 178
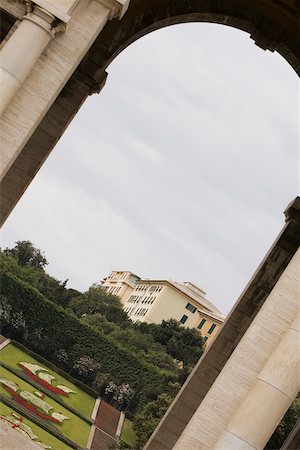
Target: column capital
x: 42, y: 18
x: 117, y: 7
x: 59, y: 9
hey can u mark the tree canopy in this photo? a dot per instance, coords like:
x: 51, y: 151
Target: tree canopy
x: 97, y: 301
x: 27, y: 255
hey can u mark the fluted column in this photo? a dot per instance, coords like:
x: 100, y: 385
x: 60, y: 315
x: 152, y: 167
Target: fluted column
x: 240, y: 374
x: 22, y: 50
x: 275, y: 388
x: 82, y: 21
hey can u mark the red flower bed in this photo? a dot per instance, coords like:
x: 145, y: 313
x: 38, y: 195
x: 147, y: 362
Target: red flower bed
x: 43, y: 382
x: 30, y: 407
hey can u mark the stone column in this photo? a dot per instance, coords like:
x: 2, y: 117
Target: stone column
x: 21, y: 51
x: 235, y: 383
x: 269, y: 398
x: 85, y: 19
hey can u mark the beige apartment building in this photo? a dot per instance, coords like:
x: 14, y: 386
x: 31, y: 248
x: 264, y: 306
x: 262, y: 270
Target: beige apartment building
x: 120, y: 283
x: 152, y: 301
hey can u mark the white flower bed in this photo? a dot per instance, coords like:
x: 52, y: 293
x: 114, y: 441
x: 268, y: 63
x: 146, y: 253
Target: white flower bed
x: 39, y: 394
x: 34, y: 400
x: 32, y: 367
x: 9, y: 384
x: 58, y: 416
x: 66, y: 389
x: 46, y: 377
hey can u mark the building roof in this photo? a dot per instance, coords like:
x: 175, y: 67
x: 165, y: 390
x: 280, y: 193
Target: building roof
x: 204, y: 303
x: 125, y: 271
x: 197, y: 297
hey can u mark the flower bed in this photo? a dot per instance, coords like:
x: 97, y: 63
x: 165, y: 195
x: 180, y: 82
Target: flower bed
x: 44, y: 378
x: 55, y: 418
x: 32, y: 402
x: 81, y: 402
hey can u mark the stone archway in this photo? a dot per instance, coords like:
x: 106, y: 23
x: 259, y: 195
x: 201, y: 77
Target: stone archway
x: 272, y: 24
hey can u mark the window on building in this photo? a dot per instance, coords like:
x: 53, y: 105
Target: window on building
x: 201, y: 324
x: 191, y: 307
x: 183, y: 318
x: 152, y: 288
x: 211, y: 329
x: 204, y: 339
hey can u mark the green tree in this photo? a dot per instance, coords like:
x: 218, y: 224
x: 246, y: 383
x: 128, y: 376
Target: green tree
x: 27, y: 255
x: 183, y: 344
x: 148, y: 418
x: 100, y: 323
x: 97, y: 301
x: 49, y: 286
x: 133, y: 339
x: 160, y: 359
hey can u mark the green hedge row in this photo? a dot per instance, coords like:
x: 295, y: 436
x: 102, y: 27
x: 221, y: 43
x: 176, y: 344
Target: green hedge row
x: 57, y: 330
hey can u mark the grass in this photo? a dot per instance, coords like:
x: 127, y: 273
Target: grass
x: 44, y: 436
x: 81, y: 401
x: 128, y: 435
x: 74, y: 428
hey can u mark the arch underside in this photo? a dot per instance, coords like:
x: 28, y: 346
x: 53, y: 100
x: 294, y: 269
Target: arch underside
x: 273, y: 25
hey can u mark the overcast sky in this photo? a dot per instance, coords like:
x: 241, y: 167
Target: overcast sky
x: 180, y: 169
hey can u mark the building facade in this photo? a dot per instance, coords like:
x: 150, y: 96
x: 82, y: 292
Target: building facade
x: 120, y: 283
x: 153, y: 301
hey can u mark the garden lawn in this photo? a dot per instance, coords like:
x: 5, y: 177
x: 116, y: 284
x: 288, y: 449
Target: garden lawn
x: 44, y: 437
x: 81, y: 401
x: 127, y: 434
x: 74, y: 428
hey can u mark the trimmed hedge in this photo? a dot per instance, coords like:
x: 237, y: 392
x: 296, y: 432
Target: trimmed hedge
x: 59, y: 330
